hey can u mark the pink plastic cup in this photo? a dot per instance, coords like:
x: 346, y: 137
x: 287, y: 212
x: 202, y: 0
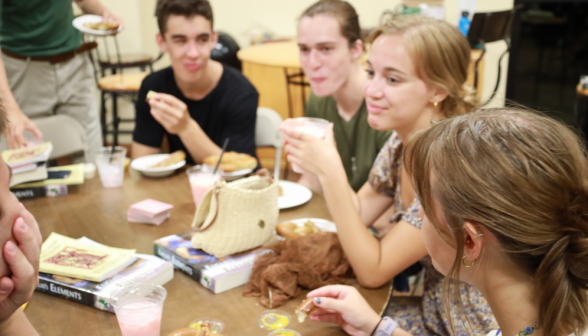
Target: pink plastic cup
x: 201, y: 179
x: 138, y: 309
x: 314, y: 126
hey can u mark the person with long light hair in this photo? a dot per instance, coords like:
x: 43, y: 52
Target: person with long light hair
x: 505, y: 208
x: 416, y: 74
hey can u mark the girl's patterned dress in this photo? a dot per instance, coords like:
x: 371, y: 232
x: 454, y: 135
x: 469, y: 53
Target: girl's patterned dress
x: 424, y: 315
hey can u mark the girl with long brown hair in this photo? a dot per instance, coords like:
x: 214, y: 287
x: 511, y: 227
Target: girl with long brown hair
x: 505, y: 193
x: 416, y: 71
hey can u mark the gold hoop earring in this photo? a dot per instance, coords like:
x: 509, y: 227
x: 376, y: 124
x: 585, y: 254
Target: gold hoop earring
x: 435, y: 104
x: 468, y: 266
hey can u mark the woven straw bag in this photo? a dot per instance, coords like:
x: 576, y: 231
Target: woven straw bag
x: 237, y: 216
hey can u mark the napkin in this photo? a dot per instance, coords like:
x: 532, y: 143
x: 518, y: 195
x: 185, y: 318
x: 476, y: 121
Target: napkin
x: 149, y: 211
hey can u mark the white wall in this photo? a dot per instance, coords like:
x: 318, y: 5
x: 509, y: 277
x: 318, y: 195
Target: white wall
x: 238, y: 17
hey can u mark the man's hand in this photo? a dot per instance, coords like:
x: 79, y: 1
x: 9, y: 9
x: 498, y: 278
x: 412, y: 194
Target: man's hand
x: 107, y: 15
x: 18, y: 123
x: 23, y: 260
x: 170, y: 112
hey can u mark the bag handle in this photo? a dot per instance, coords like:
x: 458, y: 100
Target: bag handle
x: 215, y: 193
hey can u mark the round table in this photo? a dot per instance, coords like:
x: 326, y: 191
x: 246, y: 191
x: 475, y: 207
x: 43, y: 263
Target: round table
x: 100, y: 214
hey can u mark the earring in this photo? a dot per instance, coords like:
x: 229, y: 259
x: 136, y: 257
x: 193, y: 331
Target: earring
x: 435, y: 104
x: 478, y: 234
x: 468, y: 266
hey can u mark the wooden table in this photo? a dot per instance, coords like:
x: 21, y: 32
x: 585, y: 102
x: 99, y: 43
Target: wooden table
x: 100, y: 214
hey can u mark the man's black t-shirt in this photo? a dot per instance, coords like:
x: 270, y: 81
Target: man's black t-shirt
x: 228, y: 111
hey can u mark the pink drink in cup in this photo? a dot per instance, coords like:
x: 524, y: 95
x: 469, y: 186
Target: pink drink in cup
x: 314, y: 126
x: 138, y: 309
x: 201, y: 179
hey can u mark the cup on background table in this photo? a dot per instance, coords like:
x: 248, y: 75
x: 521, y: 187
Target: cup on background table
x: 111, y: 166
x: 138, y: 309
x: 201, y: 179
x: 314, y: 126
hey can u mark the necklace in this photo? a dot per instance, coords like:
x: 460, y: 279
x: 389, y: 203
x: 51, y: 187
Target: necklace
x: 351, y: 143
x: 528, y: 330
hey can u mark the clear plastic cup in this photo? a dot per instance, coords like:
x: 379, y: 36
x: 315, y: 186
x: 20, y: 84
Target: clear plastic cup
x: 201, y: 179
x: 111, y: 166
x: 274, y: 319
x: 284, y: 332
x: 314, y: 126
x: 216, y: 326
x: 138, y: 309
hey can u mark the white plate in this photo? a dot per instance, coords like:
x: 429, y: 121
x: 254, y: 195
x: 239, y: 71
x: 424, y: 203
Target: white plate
x: 236, y: 174
x: 142, y: 164
x: 294, y: 195
x: 322, y: 224
x: 78, y: 23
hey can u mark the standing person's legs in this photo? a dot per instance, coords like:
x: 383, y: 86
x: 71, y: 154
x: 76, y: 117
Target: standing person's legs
x: 33, y: 85
x: 77, y: 98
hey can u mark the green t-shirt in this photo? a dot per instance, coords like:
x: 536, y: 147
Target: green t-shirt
x: 38, y: 27
x: 368, y: 140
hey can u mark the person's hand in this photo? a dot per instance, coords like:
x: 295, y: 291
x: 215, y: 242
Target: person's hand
x: 170, y: 112
x: 107, y: 15
x: 346, y: 307
x: 23, y: 260
x: 313, y: 155
x: 18, y: 123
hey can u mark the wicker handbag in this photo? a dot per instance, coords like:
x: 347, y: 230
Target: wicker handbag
x: 237, y: 216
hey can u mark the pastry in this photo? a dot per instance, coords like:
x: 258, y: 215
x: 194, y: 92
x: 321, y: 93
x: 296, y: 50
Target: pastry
x: 174, y: 158
x: 103, y: 25
x: 150, y: 95
x: 281, y: 190
x: 286, y: 230
x: 232, y: 161
x: 305, y: 308
x: 292, y: 231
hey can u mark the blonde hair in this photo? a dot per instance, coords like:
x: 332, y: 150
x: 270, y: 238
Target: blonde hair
x: 441, y: 54
x: 524, y: 177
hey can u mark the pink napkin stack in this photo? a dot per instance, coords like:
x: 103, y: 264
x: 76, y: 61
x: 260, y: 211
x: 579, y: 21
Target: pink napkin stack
x: 149, y: 211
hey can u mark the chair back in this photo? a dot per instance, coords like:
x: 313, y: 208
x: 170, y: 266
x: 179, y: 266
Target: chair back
x: 490, y: 27
x: 267, y: 128
x: 267, y: 134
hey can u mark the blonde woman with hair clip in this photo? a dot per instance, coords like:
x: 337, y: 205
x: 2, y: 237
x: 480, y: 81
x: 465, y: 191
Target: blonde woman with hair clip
x: 416, y: 73
x: 505, y: 194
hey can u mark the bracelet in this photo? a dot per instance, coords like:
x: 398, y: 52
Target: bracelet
x: 387, y: 327
x: 376, y: 328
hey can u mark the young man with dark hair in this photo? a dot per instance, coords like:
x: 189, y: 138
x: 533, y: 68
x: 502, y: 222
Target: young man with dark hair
x: 199, y: 102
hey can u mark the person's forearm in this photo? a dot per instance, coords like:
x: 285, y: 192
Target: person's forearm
x: 360, y: 246
x: 91, y: 6
x: 197, y: 142
x: 310, y: 181
x: 18, y: 324
x: 6, y: 96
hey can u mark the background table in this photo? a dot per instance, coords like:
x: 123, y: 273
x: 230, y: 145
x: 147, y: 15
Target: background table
x: 100, y: 214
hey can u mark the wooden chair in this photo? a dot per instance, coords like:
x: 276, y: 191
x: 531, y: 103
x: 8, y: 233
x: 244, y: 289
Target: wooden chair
x: 116, y: 82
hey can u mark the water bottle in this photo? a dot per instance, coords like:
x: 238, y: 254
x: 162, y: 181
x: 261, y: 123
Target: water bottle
x: 464, y: 23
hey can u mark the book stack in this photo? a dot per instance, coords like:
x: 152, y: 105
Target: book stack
x: 215, y: 274
x: 29, y: 163
x: 149, y: 211
x: 76, y: 287
x: 59, y: 181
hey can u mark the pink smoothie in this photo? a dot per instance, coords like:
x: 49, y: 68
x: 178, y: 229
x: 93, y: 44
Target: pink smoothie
x: 141, y: 318
x: 200, y: 183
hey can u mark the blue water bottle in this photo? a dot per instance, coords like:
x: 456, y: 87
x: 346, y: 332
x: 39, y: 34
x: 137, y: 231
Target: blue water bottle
x: 464, y: 23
